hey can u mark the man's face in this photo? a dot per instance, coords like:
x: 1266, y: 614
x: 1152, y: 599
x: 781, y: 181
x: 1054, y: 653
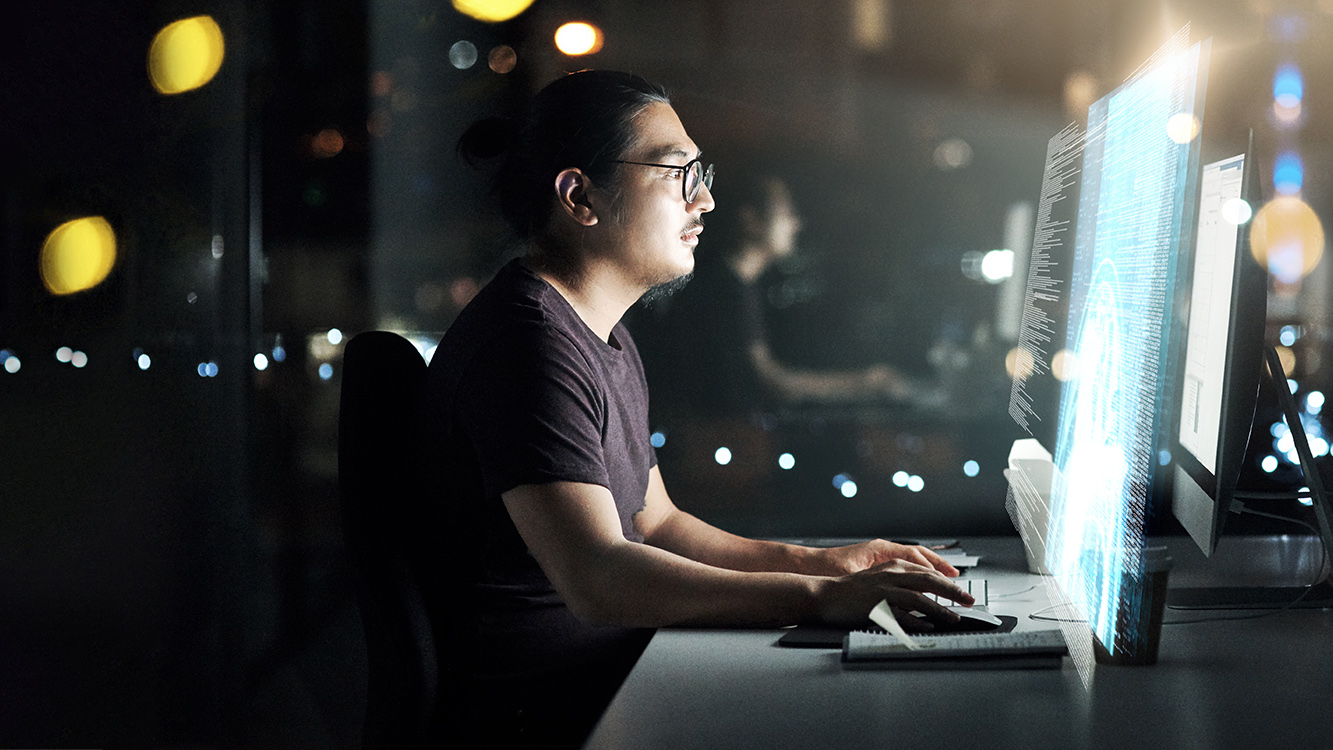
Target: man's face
x: 652, y: 230
x: 783, y: 223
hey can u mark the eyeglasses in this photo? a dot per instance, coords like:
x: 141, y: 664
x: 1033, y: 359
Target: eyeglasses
x: 696, y: 176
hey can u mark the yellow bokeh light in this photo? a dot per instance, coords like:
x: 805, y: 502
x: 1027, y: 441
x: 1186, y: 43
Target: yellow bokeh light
x: 1182, y: 128
x: 578, y: 38
x: 1288, y: 359
x: 185, y: 55
x: 78, y: 255
x: 1019, y: 363
x: 1287, y: 238
x: 491, y: 11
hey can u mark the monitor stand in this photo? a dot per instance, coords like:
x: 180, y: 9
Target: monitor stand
x: 1316, y: 596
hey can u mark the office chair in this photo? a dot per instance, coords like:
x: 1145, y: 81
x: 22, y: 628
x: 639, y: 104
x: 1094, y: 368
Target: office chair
x: 379, y: 488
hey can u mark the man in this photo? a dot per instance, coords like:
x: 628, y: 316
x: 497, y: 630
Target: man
x: 556, y: 545
x: 721, y: 360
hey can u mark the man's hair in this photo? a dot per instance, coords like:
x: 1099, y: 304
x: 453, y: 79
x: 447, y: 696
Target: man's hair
x: 583, y: 120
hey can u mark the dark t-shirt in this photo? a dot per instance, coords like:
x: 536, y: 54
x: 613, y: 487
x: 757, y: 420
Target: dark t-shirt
x: 712, y: 324
x: 520, y: 391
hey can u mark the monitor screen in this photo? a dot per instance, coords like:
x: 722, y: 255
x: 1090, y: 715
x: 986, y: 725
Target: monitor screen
x: 1214, y: 265
x: 1135, y: 204
x: 1223, y: 357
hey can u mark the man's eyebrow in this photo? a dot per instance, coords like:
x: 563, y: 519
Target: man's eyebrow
x: 662, y: 152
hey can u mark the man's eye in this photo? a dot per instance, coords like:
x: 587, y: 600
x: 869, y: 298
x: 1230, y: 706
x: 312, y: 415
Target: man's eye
x: 676, y: 174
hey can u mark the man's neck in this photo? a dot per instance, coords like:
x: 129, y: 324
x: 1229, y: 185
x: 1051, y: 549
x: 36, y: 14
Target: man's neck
x: 598, y: 295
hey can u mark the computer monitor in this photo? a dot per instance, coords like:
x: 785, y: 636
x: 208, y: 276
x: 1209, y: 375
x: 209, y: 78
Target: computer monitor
x: 1136, y: 203
x: 1223, y: 358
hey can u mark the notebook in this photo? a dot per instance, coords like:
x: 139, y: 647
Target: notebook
x: 1031, y: 649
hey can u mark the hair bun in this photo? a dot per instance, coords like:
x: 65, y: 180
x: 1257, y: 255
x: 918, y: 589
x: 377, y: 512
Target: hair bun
x: 488, y: 138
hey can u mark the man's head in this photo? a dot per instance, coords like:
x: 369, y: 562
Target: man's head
x: 761, y: 216
x: 566, y: 187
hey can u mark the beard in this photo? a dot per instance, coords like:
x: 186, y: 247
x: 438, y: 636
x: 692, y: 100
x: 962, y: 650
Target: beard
x: 661, y: 291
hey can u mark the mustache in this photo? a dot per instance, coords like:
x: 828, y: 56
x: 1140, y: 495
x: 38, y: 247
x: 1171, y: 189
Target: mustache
x: 696, y: 224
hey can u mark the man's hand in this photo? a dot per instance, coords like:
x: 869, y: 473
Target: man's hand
x: 840, y: 561
x: 848, y: 600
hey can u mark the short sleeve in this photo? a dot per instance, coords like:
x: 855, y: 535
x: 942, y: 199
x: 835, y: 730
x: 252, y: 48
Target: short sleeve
x: 533, y: 410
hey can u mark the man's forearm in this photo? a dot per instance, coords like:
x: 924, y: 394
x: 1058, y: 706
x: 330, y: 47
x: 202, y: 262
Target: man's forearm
x: 641, y: 585
x: 687, y: 536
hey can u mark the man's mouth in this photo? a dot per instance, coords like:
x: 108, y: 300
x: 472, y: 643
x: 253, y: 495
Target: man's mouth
x: 692, y: 236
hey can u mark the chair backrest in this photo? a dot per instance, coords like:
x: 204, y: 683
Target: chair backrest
x: 379, y: 485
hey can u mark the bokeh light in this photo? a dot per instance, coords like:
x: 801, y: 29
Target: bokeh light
x: 78, y: 359
x: 657, y: 439
x: 1287, y: 115
x: 578, y: 38
x: 1236, y: 211
x: 1288, y: 86
x: 327, y: 143
x: 1287, y: 238
x: 997, y: 265
x: 1288, y: 335
x: 1288, y: 173
x: 953, y: 153
x: 63, y: 354
x: 1064, y: 365
x: 848, y: 488
x: 1287, y: 357
x: 786, y: 461
x: 12, y: 363
x: 900, y: 478
x: 502, y: 59
x: 185, y: 55
x: 491, y: 11
x: 722, y: 455
x: 1182, y: 127
x: 971, y: 468
x: 1019, y: 363
x: 463, y: 55
x: 261, y: 362
x: 78, y: 255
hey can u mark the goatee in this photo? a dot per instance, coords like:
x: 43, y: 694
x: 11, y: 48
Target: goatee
x: 664, y: 290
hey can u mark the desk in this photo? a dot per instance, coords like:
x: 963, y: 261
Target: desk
x: 1243, y: 684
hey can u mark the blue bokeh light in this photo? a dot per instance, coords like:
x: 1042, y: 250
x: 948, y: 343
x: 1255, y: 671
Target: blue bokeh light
x: 1288, y: 173
x: 1288, y: 86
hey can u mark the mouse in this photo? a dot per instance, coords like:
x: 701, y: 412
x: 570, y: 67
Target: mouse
x: 974, y: 620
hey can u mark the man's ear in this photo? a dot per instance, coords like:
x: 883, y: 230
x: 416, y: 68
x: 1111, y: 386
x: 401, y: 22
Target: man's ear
x: 571, y: 192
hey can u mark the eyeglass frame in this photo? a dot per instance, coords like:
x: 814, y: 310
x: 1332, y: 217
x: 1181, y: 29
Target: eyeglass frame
x: 705, y: 175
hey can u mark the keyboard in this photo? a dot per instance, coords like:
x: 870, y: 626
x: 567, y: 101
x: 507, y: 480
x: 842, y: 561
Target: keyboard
x: 979, y: 588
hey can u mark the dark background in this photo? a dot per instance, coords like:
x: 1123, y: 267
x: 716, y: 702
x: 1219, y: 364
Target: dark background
x: 171, y: 564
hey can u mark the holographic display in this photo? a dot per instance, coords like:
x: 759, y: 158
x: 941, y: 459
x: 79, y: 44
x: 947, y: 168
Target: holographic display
x: 1135, y: 200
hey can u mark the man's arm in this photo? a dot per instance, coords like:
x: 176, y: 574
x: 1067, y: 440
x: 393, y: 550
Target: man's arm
x: 573, y: 531
x: 797, y: 385
x: 664, y: 525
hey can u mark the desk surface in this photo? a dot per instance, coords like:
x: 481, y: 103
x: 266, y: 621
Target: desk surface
x: 1263, y: 682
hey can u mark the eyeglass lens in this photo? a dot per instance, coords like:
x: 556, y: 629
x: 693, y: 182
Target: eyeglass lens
x: 696, y: 177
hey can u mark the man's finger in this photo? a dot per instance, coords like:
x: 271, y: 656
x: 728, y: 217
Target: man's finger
x: 937, y: 561
x: 934, y: 583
